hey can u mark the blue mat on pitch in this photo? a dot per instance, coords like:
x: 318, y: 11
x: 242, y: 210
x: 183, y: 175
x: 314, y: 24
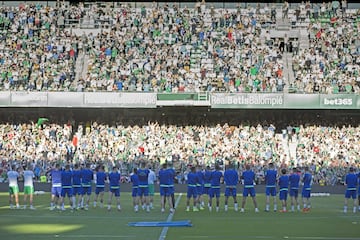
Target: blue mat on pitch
x: 185, y: 223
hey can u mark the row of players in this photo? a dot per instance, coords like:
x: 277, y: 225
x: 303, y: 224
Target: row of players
x: 287, y: 183
x: 78, y: 182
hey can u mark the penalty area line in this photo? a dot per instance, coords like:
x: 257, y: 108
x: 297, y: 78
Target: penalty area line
x: 170, y: 217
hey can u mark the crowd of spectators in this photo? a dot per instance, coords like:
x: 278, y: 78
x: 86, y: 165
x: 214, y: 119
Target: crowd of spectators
x: 145, y: 49
x: 328, y: 150
x: 37, y: 52
x: 164, y: 48
x: 331, y: 64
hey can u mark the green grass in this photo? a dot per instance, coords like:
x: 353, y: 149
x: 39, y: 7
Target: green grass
x: 325, y: 221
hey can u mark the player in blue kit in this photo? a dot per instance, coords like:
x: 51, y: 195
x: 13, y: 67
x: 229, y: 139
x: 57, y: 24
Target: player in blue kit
x: 306, y: 190
x: 351, y: 181
x: 207, y: 182
x: 171, y: 183
x: 283, y: 189
x: 249, y: 189
x: 216, y: 176
x: 55, y: 174
x: 67, y: 190
x: 114, y: 188
x: 231, y: 179
x: 86, y: 184
x: 100, y: 185
x: 192, y: 190
x: 143, y: 174
x: 77, y: 189
x: 165, y: 174
x: 359, y: 192
x: 200, y: 187
x: 134, y: 178
x: 270, y: 181
x: 294, y: 180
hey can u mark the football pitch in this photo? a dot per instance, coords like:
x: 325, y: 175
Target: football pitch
x: 325, y: 221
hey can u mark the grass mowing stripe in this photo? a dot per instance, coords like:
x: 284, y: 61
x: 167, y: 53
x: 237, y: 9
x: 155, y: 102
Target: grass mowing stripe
x: 170, y: 217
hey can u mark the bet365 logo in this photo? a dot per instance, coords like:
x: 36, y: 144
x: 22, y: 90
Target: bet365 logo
x: 338, y: 101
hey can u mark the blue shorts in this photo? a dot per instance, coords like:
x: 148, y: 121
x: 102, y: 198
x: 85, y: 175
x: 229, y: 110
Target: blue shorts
x: 249, y: 191
x: 306, y: 193
x: 191, y: 192
x: 214, y: 192
x: 350, y: 194
x: 86, y: 190
x: 270, y: 191
x: 115, y: 191
x: 206, y: 190
x: 165, y: 191
x: 171, y: 190
x: 99, y: 190
x: 199, y: 189
x: 294, y: 192
x: 56, y: 191
x: 134, y: 192
x: 67, y: 191
x: 77, y: 190
x: 230, y: 191
x: 283, y: 194
x: 143, y: 191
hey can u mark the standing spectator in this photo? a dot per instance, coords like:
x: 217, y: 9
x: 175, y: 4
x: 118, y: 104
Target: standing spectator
x: 249, y: 177
x: 351, y: 181
x: 12, y: 176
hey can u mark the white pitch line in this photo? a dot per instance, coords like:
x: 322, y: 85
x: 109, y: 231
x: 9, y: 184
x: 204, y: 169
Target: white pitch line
x: 94, y: 236
x: 170, y: 217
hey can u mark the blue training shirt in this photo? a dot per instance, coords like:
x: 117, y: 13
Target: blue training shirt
x: 294, y: 180
x: 164, y: 177
x: 143, y: 177
x: 284, y: 182
x: 56, y: 177
x: 307, y: 180
x: 270, y: 178
x: 231, y: 177
x: 114, y: 178
x: 215, y: 178
x: 86, y: 177
x: 192, y: 179
x: 66, y: 178
x: 249, y: 177
x: 351, y: 181
x: 100, y: 179
x: 76, y: 178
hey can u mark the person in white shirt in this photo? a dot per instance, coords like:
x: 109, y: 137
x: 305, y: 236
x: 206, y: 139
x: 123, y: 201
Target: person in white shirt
x: 28, y: 186
x: 12, y: 176
x: 151, y: 180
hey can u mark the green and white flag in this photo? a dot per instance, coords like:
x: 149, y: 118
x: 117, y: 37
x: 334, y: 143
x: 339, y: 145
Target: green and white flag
x: 170, y: 38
